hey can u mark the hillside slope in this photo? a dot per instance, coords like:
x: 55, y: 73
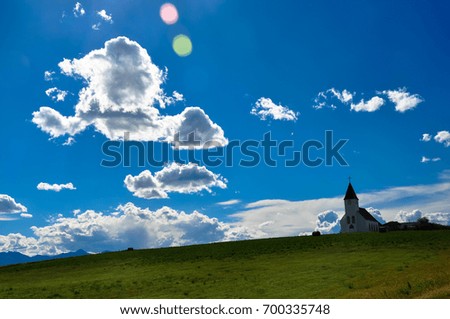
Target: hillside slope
x: 413, y: 264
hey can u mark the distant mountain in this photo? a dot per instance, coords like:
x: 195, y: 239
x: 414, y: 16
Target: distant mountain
x: 11, y: 258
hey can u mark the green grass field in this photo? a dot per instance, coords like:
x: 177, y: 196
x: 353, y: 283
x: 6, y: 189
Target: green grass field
x: 413, y: 264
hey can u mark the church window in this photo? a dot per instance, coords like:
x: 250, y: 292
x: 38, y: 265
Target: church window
x: 348, y: 219
x: 353, y: 219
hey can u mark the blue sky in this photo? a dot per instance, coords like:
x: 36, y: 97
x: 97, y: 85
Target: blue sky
x: 286, y: 57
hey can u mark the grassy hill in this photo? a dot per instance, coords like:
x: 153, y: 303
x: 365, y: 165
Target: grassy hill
x: 409, y: 264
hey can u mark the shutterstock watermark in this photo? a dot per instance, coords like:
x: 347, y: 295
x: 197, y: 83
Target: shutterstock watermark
x: 247, y: 153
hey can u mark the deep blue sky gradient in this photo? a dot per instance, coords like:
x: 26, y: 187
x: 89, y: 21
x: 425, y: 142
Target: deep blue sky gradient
x: 242, y: 50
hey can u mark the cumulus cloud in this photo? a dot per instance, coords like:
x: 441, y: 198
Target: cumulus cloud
x: 372, y: 105
x: 8, y: 205
x: 123, y: 89
x: 328, y: 222
x: 264, y: 108
x: 48, y: 75
x: 130, y: 226
x: 176, y: 97
x: 407, y: 217
x: 376, y: 214
x: 55, y: 187
x: 344, y: 96
x: 56, y: 94
x: 322, y: 99
x: 426, y: 137
x: 443, y: 137
x: 402, y: 99
x: 439, y: 218
x: 78, y: 10
x: 105, y: 16
x: 194, y: 129
x: 412, y: 216
x: 179, y: 178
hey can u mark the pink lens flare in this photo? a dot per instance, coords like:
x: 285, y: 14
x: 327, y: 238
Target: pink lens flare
x: 168, y: 13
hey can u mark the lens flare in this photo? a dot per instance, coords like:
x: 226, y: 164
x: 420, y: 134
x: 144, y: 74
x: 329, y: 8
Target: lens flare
x: 168, y: 13
x: 182, y: 45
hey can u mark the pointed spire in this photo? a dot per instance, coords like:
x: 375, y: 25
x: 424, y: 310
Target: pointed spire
x: 350, y: 194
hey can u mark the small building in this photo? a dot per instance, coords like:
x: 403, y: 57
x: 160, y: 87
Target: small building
x: 356, y: 219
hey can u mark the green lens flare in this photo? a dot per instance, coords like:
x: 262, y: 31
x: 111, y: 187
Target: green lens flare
x: 182, y: 45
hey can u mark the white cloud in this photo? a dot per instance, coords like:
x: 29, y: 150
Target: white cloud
x: 402, y: 99
x: 320, y: 101
x: 168, y: 100
x: 426, y: 159
x: 290, y: 218
x: 178, y: 178
x: 438, y: 218
x: 328, y: 222
x: 426, y: 137
x: 414, y: 215
x: 26, y: 215
x: 344, y: 97
x: 277, y: 217
x: 122, y: 91
x: 177, y: 96
x: 229, y: 202
x: 70, y: 141
x: 56, y: 94
x: 55, y: 187
x: 443, y: 137
x: 194, y: 127
x: 8, y: 205
x: 48, y: 75
x: 406, y: 217
x: 130, y: 226
x: 105, y: 16
x: 264, y: 108
x: 20, y: 243
x: 55, y: 124
x: 372, y: 105
x: 96, y: 26
x: 376, y: 214
x: 78, y: 10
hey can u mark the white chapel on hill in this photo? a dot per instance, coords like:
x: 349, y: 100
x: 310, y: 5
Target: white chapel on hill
x: 356, y: 219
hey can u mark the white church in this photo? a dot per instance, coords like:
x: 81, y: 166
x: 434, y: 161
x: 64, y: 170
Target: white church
x: 356, y: 219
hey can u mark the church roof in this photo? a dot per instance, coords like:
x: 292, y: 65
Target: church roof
x: 350, y: 194
x: 366, y: 215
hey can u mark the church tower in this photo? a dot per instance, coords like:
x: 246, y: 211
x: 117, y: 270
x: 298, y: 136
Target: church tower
x: 349, y: 223
x: 356, y: 219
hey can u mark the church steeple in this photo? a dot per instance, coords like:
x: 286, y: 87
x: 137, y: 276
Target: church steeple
x: 350, y: 194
